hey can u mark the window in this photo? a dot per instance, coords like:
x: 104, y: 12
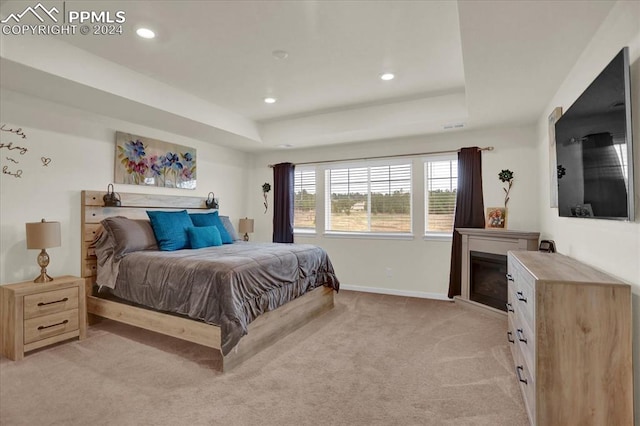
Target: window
x: 441, y: 175
x: 370, y: 198
x: 621, y: 151
x: 304, y: 204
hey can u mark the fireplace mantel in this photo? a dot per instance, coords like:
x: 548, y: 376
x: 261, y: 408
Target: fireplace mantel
x: 501, y: 233
x: 496, y: 241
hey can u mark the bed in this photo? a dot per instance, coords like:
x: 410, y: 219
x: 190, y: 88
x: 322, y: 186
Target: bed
x: 236, y: 299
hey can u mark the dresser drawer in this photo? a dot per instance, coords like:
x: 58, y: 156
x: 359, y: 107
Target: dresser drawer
x: 511, y: 300
x: 527, y: 384
x: 521, y: 306
x: 50, y: 302
x: 526, y: 342
x: 520, y: 292
x: 524, y: 300
x: 511, y: 336
x: 50, y: 325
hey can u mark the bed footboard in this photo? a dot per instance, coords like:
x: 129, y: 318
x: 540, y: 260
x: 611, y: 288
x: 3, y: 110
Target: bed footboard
x: 273, y: 326
x: 263, y: 332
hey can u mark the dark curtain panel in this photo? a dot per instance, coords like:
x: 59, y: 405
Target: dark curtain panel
x: 604, y: 185
x: 469, y: 209
x: 283, y: 178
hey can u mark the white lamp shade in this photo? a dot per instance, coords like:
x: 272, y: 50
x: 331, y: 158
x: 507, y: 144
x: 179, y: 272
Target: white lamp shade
x: 246, y: 226
x: 42, y: 235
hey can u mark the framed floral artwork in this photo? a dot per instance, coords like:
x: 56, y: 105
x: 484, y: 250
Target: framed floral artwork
x: 496, y: 218
x: 151, y: 162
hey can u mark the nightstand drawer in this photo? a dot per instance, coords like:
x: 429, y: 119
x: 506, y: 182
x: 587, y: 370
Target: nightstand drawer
x: 50, y: 302
x: 50, y: 325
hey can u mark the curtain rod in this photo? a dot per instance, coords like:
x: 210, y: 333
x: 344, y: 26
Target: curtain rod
x: 487, y: 148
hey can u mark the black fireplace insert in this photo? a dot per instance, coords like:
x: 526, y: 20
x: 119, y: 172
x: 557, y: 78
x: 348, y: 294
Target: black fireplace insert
x: 488, y: 279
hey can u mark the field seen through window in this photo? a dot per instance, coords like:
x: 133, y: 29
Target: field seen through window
x: 391, y: 214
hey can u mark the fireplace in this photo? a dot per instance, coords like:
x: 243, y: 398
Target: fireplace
x: 489, y: 247
x: 488, y: 279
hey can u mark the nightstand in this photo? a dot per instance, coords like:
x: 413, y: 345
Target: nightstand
x: 35, y: 315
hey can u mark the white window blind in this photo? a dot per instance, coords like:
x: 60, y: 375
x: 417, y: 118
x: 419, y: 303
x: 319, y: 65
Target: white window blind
x: 441, y: 183
x: 304, y: 205
x: 369, y: 199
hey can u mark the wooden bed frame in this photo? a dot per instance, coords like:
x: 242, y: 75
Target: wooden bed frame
x: 262, y: 332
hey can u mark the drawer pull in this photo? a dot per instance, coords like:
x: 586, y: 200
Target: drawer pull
x: 42, y: 327
x: 509, y: 277
x: 520, y: 334
x: 509, y: 307
x: 518, y: 370
x: 521, y: 297
x: 509, y: 337
x: 55, y: 301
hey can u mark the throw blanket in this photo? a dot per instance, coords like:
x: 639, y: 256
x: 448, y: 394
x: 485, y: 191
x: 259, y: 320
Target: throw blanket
x: 228, y: 286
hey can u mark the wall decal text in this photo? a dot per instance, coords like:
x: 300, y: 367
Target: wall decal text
x: 11, y: 147
x: 16, y: 174
x: 17, y: 131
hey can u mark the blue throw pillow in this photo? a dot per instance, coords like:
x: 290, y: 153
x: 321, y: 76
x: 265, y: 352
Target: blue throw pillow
x: 204, y: 236
x: 170, y: 229
x: 211, y: 219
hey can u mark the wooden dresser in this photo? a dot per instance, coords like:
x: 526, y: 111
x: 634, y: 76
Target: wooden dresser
x: 35, y: 315
x: 570, y: 337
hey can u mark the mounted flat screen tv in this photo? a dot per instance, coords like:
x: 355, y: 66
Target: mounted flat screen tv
x: 594, y: 149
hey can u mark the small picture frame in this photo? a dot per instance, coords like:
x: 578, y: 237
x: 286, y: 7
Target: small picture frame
x: 582, y: 210
x: 496, y: 218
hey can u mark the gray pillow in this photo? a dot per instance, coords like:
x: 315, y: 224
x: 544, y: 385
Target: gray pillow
x: 229, y: 227
x: 129, y: 235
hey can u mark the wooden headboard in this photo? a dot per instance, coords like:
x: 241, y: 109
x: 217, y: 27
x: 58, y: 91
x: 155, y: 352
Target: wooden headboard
x: 133, y: 206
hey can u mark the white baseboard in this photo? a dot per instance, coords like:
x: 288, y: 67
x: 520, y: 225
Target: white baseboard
x: 394, y: 292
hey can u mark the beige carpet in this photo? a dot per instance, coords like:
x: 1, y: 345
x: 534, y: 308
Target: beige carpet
x: 373, y: 360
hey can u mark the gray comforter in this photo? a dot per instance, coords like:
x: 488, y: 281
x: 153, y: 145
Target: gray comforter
x: 228, y: 286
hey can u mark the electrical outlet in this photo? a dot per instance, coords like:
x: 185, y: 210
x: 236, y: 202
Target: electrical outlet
x: 389, y: 271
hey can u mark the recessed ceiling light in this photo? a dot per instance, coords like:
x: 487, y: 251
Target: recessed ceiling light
x: 280, y: 54
x: 145, y: 33
x: 270, y: 100
x: 387, y: 76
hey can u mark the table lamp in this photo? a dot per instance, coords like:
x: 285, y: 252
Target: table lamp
x: 43, y: 235
x: 246, y: 227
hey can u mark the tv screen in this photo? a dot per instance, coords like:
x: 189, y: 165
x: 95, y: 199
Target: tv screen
x: 594, y: 148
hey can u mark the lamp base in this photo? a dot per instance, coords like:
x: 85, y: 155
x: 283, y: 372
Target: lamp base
x: 246, y: 237
x: 43, y: 278
x: 43, y: 262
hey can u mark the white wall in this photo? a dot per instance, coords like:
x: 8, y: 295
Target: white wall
x: 418, y: 267
x: 611, y: 246
x: 82, y: 149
